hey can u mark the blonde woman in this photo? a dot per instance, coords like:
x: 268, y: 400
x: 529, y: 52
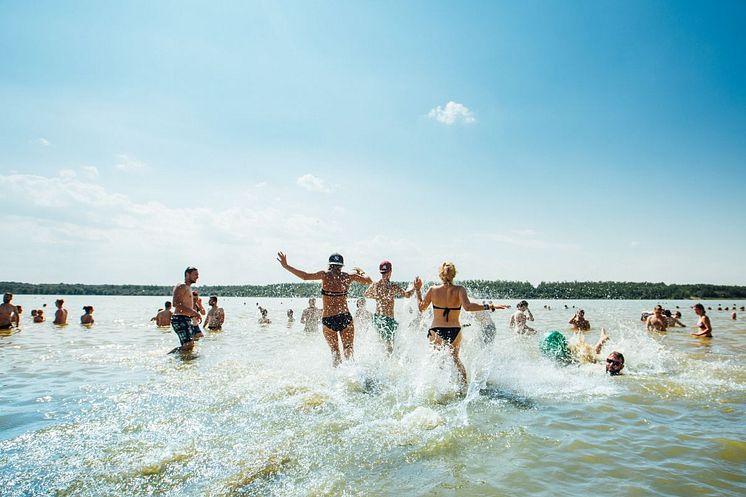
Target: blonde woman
x: 448, y: 300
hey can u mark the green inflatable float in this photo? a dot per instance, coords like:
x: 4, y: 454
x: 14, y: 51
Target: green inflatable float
x: 554, y: 345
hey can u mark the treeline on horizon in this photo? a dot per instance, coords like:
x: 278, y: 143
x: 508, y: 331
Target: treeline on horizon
x: 478, y: 289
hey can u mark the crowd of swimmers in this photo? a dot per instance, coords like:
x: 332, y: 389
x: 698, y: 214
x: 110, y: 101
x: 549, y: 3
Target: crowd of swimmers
x: 185, y: 313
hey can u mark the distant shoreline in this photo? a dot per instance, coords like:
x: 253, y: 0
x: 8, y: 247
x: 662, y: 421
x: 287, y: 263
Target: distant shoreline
x: 479, y: 289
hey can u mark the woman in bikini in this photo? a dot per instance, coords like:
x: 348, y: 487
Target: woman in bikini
x: 336, y: 317
x: 448, y: 300
x: 705, y: 328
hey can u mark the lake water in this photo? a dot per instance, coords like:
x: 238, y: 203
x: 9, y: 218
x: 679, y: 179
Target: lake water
x: 260, y: 411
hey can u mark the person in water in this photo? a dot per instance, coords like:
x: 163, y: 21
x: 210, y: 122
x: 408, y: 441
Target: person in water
x: 311, y: 317
x: 487, y: 327
x: 184, y: 311
x: 8, y: 313
x: 673, y: 320
x: 39, y: 316
x: 519, y: 318
x: 215, y: 316
x: 60, y: 315
x: 384, y: 292
x: 291, y: 318
x: 163, y: 318
x: 363, y: 317
x: 615, y: 363
x: 448, y: 300
x: 578, y: 321
x: 656, y: 321
x: 264, y: 316
x: 87, y: 317
x: 196, y: 330
x: 336, y: 318
x: 705, y: 328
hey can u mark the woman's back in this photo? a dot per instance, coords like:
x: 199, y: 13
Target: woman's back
x: 446, y: 301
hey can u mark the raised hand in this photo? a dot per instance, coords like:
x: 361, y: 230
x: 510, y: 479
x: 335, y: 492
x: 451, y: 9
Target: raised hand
x: 283, y: 259
x: 418, y: 283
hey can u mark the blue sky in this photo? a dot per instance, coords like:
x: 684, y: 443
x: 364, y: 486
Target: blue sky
x: 522, y: 140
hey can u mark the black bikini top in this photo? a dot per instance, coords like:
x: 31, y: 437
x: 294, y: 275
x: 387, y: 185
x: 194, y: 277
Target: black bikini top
x: 447, y: 310
x: 333, y: 294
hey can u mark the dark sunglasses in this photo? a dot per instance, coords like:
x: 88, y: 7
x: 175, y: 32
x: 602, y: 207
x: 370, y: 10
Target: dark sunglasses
x: 612, y: 361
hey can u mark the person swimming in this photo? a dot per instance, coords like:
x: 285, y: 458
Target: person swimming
x: 87, y: 318
x: 447, y: 301
x: 578, y: 321
x: 336, y: 318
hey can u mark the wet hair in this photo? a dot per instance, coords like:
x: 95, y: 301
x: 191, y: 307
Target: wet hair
x: 88, y: 309
x: 700, y: 307
x: 214, y: 297
x: 59, y: 302
x: 190, y: 269
x: 619, y: 356
x: 447, y: 272
x: 677, y: 314
x: 523, y: 302
x: 34, y: 312
x: 168, y: 304
x: 667, y: 313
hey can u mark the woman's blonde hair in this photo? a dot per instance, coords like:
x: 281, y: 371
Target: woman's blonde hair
x: 447, y: 272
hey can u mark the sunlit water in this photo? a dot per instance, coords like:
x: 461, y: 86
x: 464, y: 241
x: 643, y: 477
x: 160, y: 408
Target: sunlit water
x: 260, y: 411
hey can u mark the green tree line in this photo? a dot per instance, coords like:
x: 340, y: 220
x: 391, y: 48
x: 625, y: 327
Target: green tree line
x: 480, y: 289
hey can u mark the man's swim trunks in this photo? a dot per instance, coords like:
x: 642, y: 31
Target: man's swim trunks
x: 386, y: 326
x: 182, y: 325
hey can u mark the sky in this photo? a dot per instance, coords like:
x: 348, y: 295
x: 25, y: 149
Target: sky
x: 531, y: 141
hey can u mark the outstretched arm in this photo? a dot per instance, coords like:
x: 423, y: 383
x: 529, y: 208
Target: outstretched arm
x: 359, y: 276
x: 283, y: 259
x: 601, y: 341
x: 422, y: 303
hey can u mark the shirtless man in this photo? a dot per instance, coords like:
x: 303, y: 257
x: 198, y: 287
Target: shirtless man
x: 39, y: 316
x: 657, y: 321
x: 215, y: 316
x: 201, y: 309
x: 519, y: 318
x: 163, y: 318
x: 311, y: 317
x: 578, y: 321
x: 60, y: 316
x: 8, y: 313
x: 184, y: 312
x: 363, y: 317
x: 384, y: 292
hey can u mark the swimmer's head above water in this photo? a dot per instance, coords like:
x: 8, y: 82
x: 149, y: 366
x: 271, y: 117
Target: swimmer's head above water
x: 615, y: 363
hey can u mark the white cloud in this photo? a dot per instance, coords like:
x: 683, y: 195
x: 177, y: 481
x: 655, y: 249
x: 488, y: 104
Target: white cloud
x: 67, y: 174
x: 90, y: 171
x: 261, y: 184
x: 312, y: 183
x: 129, y: 164
x: 452, y: 113
x: 41, y: 141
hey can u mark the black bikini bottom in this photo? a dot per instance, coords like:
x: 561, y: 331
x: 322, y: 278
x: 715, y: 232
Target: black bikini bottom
x: 337, y: 323
x: 447, y: 334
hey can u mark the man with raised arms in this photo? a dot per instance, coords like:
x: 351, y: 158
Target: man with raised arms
x: 8, y: 313
x: 384, y: 292
x: 184, y: 312
x: 163, y: 318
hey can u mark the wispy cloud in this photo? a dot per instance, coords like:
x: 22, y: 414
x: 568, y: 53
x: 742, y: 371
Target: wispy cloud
x: 41, y: 141
x: 68, y: 174
x: 312, y: 183
x: 452, y: 113
x: 129, y: 164
x: 90, y: 171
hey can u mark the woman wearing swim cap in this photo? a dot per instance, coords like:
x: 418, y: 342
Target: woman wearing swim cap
x: 448, y: 300
x: 336, y: 317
